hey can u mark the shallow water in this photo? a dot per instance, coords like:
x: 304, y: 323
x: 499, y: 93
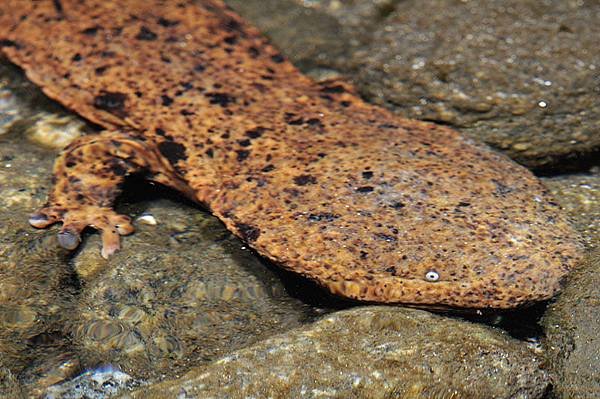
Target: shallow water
x: 182, y: 293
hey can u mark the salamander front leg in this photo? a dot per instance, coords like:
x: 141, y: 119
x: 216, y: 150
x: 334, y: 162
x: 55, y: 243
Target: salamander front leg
x: 88, y: 176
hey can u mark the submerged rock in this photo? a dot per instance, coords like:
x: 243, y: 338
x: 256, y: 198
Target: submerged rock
x: 180, y: 293
x: 99, y: 383
x: 572, y: 323
x: 36, y: 285
x: 572, y: 343
x: 374, y: 352
x: 520, y: 76
x: 319, y: 36
x: 9, y: 386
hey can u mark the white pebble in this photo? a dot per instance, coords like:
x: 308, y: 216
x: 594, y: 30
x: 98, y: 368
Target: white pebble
x: 147, y: 219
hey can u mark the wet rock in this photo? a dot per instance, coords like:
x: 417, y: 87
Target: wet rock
x: 36, y: 284
x: 572, y: 343
x: 521, y: 77
x: 21, y: 102
x: 579, y: 194
x: 9, y: 111
x: 179, y: 293
x: 55, y: 132
x: 9, y: 385
x: 53, y: 368
x: 374, y: 352
x: 99, y: 383
x: 318, y: 36
x: 572, y: 323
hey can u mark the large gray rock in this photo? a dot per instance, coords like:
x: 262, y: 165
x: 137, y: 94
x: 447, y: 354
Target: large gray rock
x: 572, y: 342
x: 319, y: 36
x: 178, y: 294
x: 572, y: 323
x: 370, y: 352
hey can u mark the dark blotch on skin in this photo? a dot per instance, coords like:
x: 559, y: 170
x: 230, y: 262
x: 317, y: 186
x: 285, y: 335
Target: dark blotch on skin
x: 367, y: 174
x: 167, y: 22
x: 223, y: 99
x: 100, y: 70
x: 230, y: 39
x: 385, y: 237
x: 199, y: 68
x: 277, y: 58
x: 9, y: 43
x: 322, y: 217
x: 364, y: 189
x: 118, y: 169
x: 166, y: 100
x: 91, y: 31
x: 268, y: 168
x: 174, y: 152
x: 255, y: 133
x: 58, y: 6
x: 303, y: 180
x: 112, y: 102
x: 314, y: 122
x: 232, y: 25
x: 242, y: 154
x: 76, y: 57
x: 397, y: 205
x: 160, y: 132
x: 247, y: 232
x: 146, y: 34
x: 333, y: 89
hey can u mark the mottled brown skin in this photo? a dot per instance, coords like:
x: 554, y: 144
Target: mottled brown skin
x: 345, y: 193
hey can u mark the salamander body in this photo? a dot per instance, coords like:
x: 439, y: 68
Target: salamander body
x: 369, y: 205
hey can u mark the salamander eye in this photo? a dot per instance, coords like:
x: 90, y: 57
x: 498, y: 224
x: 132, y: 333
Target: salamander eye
x: 432, y: 276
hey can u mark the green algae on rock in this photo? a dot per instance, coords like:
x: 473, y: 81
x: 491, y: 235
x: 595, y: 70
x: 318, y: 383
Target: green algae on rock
x: 371, y: 206
x: 370, y: 352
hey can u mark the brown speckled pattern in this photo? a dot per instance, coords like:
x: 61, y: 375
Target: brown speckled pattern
x: 323, y: 184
